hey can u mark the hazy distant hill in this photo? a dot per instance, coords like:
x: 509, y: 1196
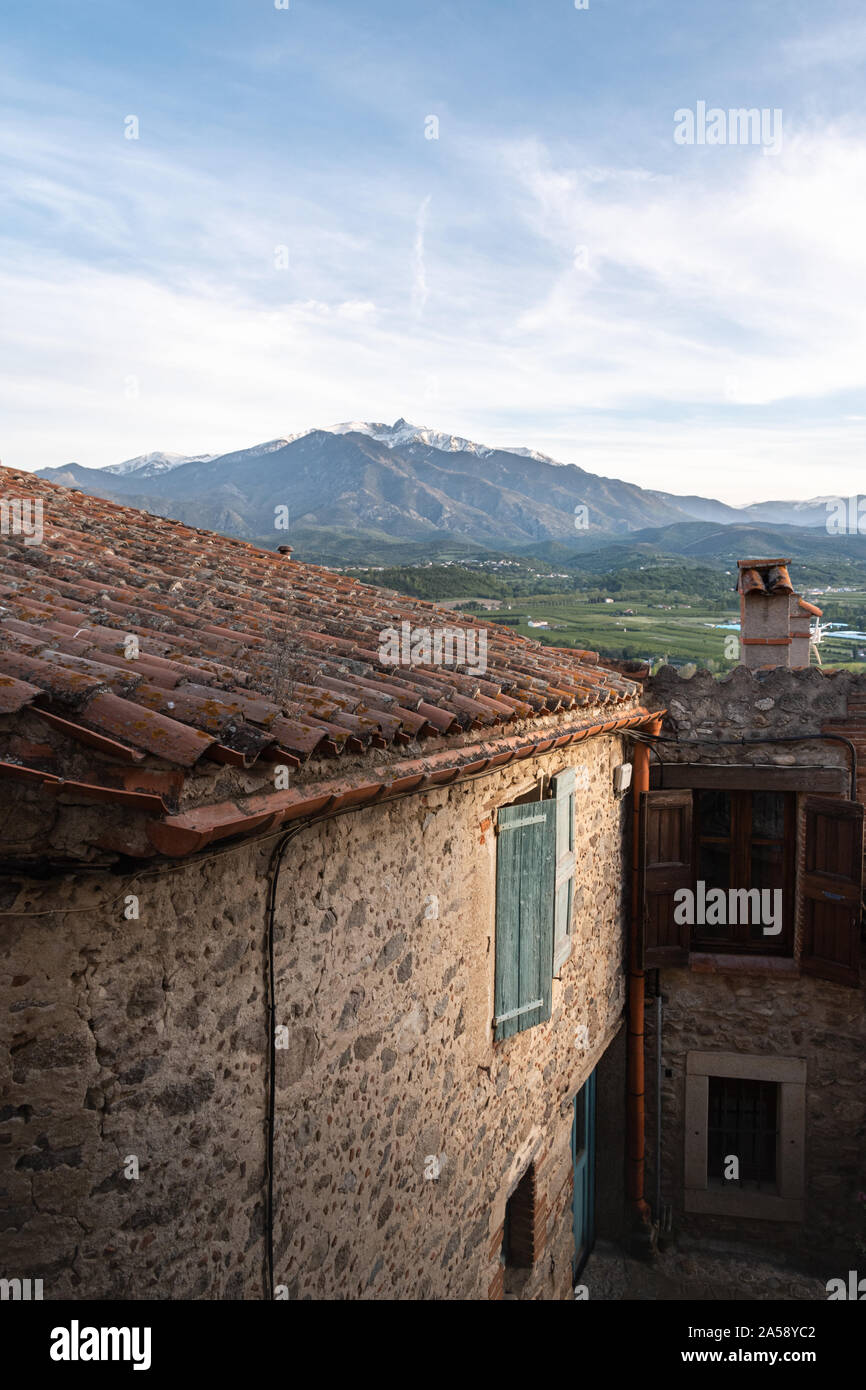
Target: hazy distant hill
x: 707, y: 542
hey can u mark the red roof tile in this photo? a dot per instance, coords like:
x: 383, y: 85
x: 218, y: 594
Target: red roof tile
x: 15, y: 693
x: 245, y: 657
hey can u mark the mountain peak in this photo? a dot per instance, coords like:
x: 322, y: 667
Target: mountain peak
x: 402, y: 433
x: 433, y: 484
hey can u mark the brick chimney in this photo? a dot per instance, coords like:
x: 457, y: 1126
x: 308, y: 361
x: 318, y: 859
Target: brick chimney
x: 774, y: 621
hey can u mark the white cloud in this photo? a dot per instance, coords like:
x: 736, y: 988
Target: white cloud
x: 723, y: 267
x: 754, y: 270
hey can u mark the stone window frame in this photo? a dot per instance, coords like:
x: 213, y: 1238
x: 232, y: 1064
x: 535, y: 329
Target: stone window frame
x: 788, y: 1202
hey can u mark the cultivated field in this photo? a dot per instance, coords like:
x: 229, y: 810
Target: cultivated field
x: 683, y: 632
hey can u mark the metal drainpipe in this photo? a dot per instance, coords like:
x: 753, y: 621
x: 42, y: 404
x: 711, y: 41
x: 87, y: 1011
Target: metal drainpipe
x: 659, y: 1006
x: 635, y: 1063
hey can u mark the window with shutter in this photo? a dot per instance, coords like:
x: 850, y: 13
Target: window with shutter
x: 745, y: 841
x: 563, y: 792
x: 666, y: 866
x: 831, y: 887
x: 525, y: 855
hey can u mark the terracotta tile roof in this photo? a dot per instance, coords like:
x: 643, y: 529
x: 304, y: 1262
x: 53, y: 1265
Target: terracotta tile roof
x: 245, y: 658
x: 810, y: 608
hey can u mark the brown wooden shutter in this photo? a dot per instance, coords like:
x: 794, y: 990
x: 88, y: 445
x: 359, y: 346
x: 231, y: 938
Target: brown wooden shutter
x: 666, y: 865
x: 832, y: 886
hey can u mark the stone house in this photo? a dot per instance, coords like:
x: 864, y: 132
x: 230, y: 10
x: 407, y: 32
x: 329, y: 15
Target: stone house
x: 313, y: 977
x: 756, y: 1029
x: 324, y: 977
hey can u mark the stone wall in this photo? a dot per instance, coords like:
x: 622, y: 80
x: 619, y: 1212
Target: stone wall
x: 784, y: 1017
x: 136, y: 1038
x: 148, y: 1037
x: 727, y: 1004
x: 392, y: 1062
x: 747, y: 704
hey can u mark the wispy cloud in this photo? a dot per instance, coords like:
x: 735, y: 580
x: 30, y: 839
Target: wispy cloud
x: 419, y: 269
x: 840, y: 45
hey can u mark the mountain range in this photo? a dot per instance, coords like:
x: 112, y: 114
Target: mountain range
x: 376, y: 485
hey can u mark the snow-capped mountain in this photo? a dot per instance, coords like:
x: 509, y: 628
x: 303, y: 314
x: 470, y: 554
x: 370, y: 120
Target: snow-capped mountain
x: 395, y: 436
x: 409, y: 483
x: 150, y: 465
x: 269, y: 447
x: 402, y: 433
x: 534, y: 454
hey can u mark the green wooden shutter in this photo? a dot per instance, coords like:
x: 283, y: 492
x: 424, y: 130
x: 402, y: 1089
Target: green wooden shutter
x: 563, y: 791
x: 525, y: 846
x: 831, y: 886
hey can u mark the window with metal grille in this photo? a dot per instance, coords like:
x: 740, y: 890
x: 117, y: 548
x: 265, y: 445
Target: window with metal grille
x: 743, y: 1123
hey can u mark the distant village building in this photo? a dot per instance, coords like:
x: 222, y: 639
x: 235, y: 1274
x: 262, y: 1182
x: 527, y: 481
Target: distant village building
x: 490, y: 605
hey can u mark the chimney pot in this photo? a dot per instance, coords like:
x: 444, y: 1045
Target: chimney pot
x: 774, y: 623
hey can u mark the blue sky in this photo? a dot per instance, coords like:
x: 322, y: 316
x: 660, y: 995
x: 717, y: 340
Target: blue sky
x: 553, y: 270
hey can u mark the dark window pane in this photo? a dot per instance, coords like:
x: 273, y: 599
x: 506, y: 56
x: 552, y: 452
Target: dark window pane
x: 741, y: 848
x: 714, y: 813
x: 768, y: 873
x: 768, y: 815
x: 768, y: 866
x: 742, y: 1123
x: 714, y: 865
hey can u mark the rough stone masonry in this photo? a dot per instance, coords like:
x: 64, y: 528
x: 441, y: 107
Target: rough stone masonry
x: 147, y: 1039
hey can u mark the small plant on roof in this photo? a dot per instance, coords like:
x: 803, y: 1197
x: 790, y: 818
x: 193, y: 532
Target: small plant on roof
x: 275, y: 676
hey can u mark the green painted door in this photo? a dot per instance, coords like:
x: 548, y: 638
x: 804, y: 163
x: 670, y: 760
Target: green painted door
x: 583, y: 1158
